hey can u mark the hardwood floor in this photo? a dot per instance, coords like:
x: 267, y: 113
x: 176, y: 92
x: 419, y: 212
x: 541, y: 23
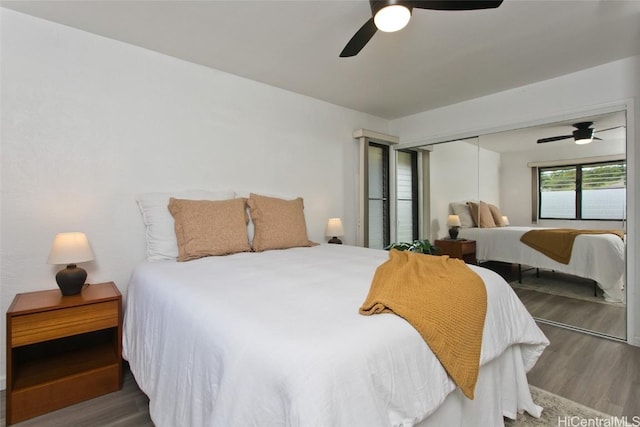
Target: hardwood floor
x: 596, y: 372
x: 601, y: 318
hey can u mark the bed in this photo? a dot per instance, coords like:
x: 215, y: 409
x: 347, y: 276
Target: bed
x: 599, y: 257
x: 274, y: 338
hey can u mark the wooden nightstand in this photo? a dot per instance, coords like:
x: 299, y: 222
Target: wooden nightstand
x: 62, y: 350
x: 462, y: 249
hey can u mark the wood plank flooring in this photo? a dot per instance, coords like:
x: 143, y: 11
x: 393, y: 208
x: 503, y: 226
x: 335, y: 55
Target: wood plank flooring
x: 596, y: 372
x: 601, y: 318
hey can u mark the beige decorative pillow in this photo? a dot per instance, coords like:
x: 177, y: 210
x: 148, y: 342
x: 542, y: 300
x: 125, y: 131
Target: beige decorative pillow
x: 205, y: 228
x: 279, y: 223
x: 497, y: 215
x: 481, y: 214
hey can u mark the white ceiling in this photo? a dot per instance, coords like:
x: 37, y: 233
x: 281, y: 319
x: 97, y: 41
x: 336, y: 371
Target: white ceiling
x: 439, y: 59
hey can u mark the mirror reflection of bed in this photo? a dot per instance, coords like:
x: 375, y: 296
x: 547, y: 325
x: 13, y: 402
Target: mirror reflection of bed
x: 510, y: 174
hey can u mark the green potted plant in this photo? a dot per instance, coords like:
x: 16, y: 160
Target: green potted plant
x: 422, y: 246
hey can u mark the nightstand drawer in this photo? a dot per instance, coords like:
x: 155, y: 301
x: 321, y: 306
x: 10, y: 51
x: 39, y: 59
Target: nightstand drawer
x: 48, y: 325
x: 462, y: 249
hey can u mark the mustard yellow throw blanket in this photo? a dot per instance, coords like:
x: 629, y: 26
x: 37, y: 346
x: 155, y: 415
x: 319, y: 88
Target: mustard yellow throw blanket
x: 557, y: 243
x: 443, y: 299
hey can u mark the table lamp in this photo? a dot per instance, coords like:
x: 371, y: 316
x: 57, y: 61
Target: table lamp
x: 70, y: 248
x: 454, y: 223
x: 334, y: 230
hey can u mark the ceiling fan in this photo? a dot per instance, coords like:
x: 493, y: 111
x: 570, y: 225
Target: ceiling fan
x: 394, y: 15
x: 583, y: 134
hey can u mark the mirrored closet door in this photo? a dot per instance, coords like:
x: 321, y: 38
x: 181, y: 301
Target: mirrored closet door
x: 539, y: 177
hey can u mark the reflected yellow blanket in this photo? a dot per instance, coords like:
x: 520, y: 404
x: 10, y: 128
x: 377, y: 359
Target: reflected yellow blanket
x: 443, y: 299
x: 557, y: 243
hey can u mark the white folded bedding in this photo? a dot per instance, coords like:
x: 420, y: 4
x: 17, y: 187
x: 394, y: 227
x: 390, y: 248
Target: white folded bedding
x: 275, y: 338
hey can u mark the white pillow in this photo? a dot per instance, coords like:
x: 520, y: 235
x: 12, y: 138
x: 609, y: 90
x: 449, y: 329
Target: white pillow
x: 462, y: 210
x: 160, y: 229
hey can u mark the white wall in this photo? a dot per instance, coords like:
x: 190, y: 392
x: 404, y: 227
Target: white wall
x: 455, y: 176
x: 88, y: 122
x: 490, y: 165
x: 568, y: 96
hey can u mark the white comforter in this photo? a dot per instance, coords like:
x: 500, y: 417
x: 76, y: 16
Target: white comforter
x: 598, y: 257
x: 275, y: 339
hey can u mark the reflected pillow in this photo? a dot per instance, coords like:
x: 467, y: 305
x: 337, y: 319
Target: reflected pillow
x: 497, y: 215
x: 464, y: 213
x: 481, y: 214
x: 208, y: 228
x: 278, y: 223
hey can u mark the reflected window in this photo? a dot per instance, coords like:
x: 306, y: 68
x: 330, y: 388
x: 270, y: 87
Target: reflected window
x: 595, y: 191
x: 407, y: 195
x: 379, y: 225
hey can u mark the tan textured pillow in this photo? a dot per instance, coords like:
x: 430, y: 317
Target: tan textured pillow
x: 205, y: 228
x: 279, y: 223
x: 481, y: 214
x: 496, y: 215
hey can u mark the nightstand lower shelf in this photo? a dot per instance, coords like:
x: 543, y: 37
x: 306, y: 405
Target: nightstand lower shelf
x: 48, y: 396
x: 32, y: 371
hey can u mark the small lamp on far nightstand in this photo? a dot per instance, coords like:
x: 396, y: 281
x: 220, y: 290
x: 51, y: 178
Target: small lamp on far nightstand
x: 454, y: 223
x: 70, y: 248
x: 335, y: 230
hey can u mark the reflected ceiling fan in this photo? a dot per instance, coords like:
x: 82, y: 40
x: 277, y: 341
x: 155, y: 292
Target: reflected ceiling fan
x: 394, y: 15
x: 583, y: 134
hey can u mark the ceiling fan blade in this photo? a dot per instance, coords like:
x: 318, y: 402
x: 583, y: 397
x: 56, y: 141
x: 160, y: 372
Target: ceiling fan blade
x: 554, y: 138
x: 359, y: 39
x: 455, y: 4
x: 599, y: 139
x: 608, y: 129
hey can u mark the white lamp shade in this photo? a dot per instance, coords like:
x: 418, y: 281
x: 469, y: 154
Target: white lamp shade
x: 505, y: 220
x: 392, y: 18
x: 70, y: 248
x: 453, y: 221
x: 334, y: 228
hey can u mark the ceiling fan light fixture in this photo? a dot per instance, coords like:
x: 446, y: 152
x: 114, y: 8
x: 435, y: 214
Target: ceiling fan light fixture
x: 392, y: 18
x: 583, y: 136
